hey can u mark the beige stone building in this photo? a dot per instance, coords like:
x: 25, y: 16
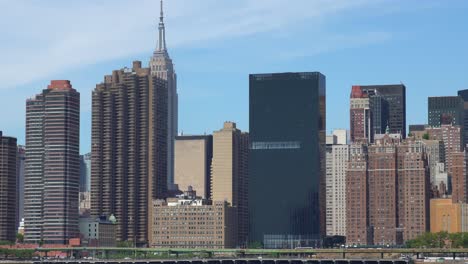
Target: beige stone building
x: 193, y: 156
x: 337, y: 161
x: 191, y: 222
x: 229, y: 170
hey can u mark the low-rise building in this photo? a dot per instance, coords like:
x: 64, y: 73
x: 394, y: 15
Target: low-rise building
x: 98, y: 232
x: 445, y: 216
x: 188, y: 221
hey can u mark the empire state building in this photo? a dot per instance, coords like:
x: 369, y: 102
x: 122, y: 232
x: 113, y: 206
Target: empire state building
x: 161, y: 66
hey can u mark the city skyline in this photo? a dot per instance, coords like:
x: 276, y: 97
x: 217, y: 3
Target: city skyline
x: 386, y: 75
x: 389, y: 51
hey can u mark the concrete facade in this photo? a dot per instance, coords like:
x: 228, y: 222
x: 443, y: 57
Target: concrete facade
x: 191, y: 222
x: 337, y: 161
x: 229, y: 173
x: 85, y: 203
x: 193, y: 156
x: 341, y: 136
x: 52, y: 164
x: 440, y: 182
x: 97, y: 232
x: 435, y: 150
x: 129, y: 149
x: 445, y: 216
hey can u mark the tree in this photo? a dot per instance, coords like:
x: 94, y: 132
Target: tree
x: 5, y: 243
x: 19, y: 238
x: 439, y: 240
x: 256, y: 245
x: 125, y: 244
x: 24, y: 253
x: 426, y: 136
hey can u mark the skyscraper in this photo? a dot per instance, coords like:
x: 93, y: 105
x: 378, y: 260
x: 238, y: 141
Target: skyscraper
x: 358, y: 231
x: 229, y: 173
x: 393, y: 108
x: 459, y: 177
x: 85, y: 172
x: 413, y: 189
x: 360, y: 116
x: 52, y: 164
x: 387, y: 104
x: 161, y: 66
x: 445, y: 110
x: 383, y: 191
x: 464, y: 95
x: 193, y: 156
x: 129, y: 149
x: 8, y: 200
x: 337, y: 161
x: 436, y: 158
x: 387, y: 191
x: 451, y: 138
x: 20, y: 172
x: 287, y: 159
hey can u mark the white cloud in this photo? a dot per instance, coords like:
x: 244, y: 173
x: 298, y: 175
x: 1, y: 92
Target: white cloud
x: 335, y: 42
x: 41, y: 38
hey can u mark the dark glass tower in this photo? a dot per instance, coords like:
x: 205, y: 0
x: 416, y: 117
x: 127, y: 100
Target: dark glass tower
x: 445, y: 110
x: 287, y: 159
x: 464, y: 95
x: 389, y: 107
x: 8, y: 200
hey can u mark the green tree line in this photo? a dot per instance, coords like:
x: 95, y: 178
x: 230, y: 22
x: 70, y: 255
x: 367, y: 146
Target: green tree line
x: 439, y: 240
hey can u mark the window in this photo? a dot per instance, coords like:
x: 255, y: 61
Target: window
x: 276, y: 145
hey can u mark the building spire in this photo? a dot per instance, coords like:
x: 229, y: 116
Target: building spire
x: 161, y: 17
x: 162, y: 31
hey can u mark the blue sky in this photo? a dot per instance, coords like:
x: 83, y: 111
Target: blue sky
x: 215, y: 44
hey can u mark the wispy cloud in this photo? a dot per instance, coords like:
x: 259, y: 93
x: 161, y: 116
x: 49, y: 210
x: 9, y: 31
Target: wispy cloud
x: 42, y: 38
x: 338, y: 42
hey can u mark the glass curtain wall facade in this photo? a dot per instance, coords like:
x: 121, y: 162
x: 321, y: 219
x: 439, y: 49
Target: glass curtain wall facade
x: 287, y: 159
x: 389, y: 107
x: 464, y: 95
